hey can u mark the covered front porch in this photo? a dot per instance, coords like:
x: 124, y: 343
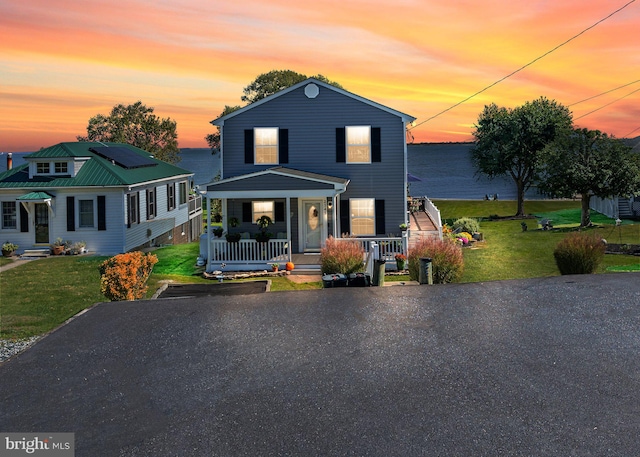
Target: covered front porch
x: 301, y: 207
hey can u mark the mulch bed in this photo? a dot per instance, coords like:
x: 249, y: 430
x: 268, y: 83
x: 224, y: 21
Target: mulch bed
x: 628, y: 249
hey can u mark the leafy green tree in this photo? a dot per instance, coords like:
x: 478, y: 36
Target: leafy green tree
x: 589, y: 163
x: 213, y: 139
x: 274, y: 81
x: 264, y: 85
x: 509, y: 142
x: 138, y: 126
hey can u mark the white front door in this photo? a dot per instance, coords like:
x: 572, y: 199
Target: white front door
x: 313, y: 223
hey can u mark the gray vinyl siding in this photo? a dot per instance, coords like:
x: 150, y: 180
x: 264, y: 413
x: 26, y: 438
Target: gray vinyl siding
x: 311, y: 125
x: 271, y: 182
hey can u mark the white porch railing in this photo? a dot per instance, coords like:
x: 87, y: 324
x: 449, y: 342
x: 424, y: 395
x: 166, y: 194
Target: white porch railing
x: 247, y: 252
x: 389, y: 247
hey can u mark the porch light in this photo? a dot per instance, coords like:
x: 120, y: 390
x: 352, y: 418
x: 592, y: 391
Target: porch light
x: 329, y: 203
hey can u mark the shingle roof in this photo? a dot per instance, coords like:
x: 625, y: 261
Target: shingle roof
x: 96, y: 170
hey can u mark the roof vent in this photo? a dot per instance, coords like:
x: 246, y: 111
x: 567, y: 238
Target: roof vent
x: 311, y: 90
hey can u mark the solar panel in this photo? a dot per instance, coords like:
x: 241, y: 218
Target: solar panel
x: 124, y: 157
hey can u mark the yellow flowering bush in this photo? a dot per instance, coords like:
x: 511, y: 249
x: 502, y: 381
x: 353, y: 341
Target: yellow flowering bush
x: 124, y: 276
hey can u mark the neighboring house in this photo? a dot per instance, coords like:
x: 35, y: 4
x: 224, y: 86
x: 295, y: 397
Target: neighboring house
x: 115, y: 197
x: 317, y: 160
x: 617, y: 207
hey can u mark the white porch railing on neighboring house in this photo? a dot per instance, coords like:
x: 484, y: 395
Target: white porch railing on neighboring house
x: 195, y: 204
x: 248, y: 253
x: 389, y: 247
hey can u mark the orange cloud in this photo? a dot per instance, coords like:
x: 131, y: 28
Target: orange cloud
x: 64, y: 61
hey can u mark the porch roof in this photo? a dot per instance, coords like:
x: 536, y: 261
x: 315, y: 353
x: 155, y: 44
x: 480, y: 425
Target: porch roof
x: 277, y: 182
x: 35, y: 197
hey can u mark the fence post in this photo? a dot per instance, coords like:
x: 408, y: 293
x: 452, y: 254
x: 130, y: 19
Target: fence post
x: 425, y: 274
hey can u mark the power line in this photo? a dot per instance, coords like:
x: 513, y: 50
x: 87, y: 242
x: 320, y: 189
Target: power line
x: 629, y: 134
x: 604, y: 93
x: 610, y: 103
x: 524, y: 66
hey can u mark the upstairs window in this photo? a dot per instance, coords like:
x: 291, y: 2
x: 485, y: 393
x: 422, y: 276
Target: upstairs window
x: 60, y: 167
x: 42, y: 168
x: 358, y: 144
x: 266, y: 145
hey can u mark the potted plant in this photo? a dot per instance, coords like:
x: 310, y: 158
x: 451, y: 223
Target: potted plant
x: 403, y: 227
x: 233, y: 237
x: 59, y: 246
x: 401, y: 260
x: 217, y: 231
x: 275, y: 267
x: 77, y: 248
x: 8, y: 249
x: 263, y: 222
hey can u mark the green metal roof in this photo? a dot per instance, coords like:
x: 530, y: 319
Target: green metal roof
x: 95, y: 171
x: 35, y: 196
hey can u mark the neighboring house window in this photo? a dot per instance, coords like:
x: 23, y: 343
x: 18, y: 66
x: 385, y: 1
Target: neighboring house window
x: 60, y: 167
x: 42, y: 167
x: 266, y: 145
x: 86, y: 215
x: 358, y: 144
x: 9, y: 215
x: 362, y: 216
x: 134, y: 208
x: 171, y: 196
x: 262, y: 208
x: 151, y: 203
x: 183, y: 192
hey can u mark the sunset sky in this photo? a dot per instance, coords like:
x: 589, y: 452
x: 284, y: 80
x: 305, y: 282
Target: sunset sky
x: 64, y: 61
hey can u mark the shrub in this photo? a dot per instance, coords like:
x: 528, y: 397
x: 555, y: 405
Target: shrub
x: 467, y: 224
x: 124, y: 276
x: 446, y: 260
x: 344, y: 256
x: 579, y: 253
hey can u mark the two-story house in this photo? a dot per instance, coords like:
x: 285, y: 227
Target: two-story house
x: 115, y: 197
x: 317, y: 160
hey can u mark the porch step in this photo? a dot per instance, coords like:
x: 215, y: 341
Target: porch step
x: 35, y: 253
x: 624, y: 209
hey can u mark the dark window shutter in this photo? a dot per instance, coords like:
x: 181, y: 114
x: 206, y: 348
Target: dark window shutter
x: 376, y: 145
x: 169, y: 208
x: 380, y: 222
x: 138, y: 207
x: 102, y: 212
x: 129, y: 211
x: 24, y: 218
x: 283, y: 146
x: 341, y: 146
x: 71, y: 214
x: 279, y: 211
x: 246, y: 212
x: 248, y: 146
x: 345, y: 225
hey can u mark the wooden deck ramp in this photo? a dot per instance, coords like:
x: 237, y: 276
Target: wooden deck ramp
x: 421, y: 226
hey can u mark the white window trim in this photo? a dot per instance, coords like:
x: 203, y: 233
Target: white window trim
x: 53, y: 165
x: 95, y: 213
x: 254, y: 218
x: 347, y: 144
x: 351, y: 217
x: 255, y: 146
x: 16, y: 213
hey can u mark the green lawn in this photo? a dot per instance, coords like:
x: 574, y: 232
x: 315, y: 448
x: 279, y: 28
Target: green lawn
x: 509, y: 253
x: 40, y: 295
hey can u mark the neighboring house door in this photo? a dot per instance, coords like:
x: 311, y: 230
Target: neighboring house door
x: 42, y: 223
x: 313, y: 224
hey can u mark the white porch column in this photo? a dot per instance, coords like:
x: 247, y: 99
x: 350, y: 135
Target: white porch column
x: 288, y: 217
x: 208, y: 234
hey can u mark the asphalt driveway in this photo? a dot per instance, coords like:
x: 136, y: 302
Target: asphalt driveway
x: 542, y: 367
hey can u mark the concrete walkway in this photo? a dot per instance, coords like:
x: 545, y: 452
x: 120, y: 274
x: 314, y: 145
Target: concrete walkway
x: 544, y: 367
